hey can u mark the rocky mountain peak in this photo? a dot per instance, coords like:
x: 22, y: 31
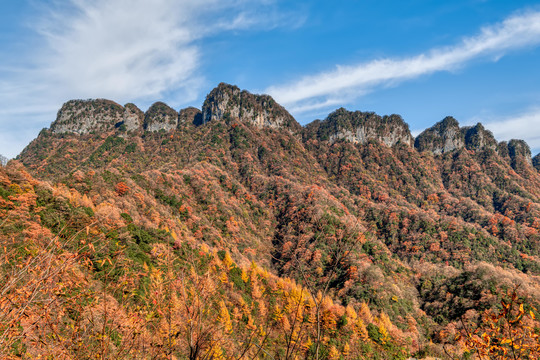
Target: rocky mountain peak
x: 360, y: 127
x: 190, y: 115
x: 96, y: 115
x: 518, y: 148
x: 160, y: 116
x: 446, y: 136
x: 85, y: 116
x: 101, y: 115
x: 477, y: 137
x: 229, y: 103
x: 519, y: 153
x: 442, y: 137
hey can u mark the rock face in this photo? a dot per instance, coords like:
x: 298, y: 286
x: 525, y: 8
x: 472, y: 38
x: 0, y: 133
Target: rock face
x: 361, y: 127
x: 190, y: 115
x: 519, y: 153
x: 229, y: 103
x: 85, y: 116
x: 160, y: 117
x: 133, y: 117
x: 100, y: 115
x: 441, y: 138
x: 477, y: 137
x: 536, y: 162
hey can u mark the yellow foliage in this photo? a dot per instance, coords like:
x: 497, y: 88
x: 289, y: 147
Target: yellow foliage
x: 384, y: 334
x: 307, y: 344
x: 228, y: 261
x: 329, y: 320
x: 346, y: 350
x: 361, y: 330
x: 224, y: 278
x: 224, y: 317
x: 351, y: 313
x: 262, y: 333
x: 217, y: 353
x: 245, y: 277
x: 277, y: 314
x: 333, y: 354
x: 365, y: 313
x: 385, y: 320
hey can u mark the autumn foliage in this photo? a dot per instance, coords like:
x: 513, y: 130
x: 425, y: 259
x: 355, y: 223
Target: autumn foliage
x: 512, y: 332
x: 121, y: 188
x: 235, y: 242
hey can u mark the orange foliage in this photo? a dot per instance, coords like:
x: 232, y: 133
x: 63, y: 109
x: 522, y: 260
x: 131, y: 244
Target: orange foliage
x: 121, y: 189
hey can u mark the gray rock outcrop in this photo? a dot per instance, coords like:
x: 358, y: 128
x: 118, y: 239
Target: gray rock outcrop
x: 190, y: 115
x: 160, y: 117
x: 477, y: 138
x: 133, y: 118
x: 443, y: 137
x: 360, y: 127
x: 86, y: 116
x: 229, y: 103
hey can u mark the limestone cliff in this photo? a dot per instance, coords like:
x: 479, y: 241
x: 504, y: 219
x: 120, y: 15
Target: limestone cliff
x: 86, y: 116
x: 160, y: 116
x: 520, y: 154
x: 229, y: 103
x: 441, y: 138
x: 477, y: 137
x: 190, y: 115
x: 133, y: 118
x: 361, y: 127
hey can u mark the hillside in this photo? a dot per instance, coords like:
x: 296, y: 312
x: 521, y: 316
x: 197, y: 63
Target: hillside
x: 346, y: 238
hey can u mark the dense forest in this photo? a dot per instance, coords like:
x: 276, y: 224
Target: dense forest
x: 232, y: 232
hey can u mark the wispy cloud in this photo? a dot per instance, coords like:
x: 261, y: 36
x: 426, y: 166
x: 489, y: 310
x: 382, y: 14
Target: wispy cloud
x: 125, y: 50
x: 313, y: 91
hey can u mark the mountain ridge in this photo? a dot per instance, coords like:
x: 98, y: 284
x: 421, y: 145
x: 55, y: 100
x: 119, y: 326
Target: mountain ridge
x: 229, y: 103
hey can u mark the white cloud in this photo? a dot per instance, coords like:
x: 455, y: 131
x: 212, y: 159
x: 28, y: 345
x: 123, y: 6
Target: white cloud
x: 124, y: 50
x: 313, y: 91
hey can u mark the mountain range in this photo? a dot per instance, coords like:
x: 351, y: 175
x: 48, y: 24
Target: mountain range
x: 235, y: 232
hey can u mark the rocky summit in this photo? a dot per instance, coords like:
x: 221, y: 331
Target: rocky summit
x: 228, y: 102
x: 359, y: 128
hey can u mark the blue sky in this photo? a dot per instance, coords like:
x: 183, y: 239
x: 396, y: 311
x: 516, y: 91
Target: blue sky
x: 475, y: 60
